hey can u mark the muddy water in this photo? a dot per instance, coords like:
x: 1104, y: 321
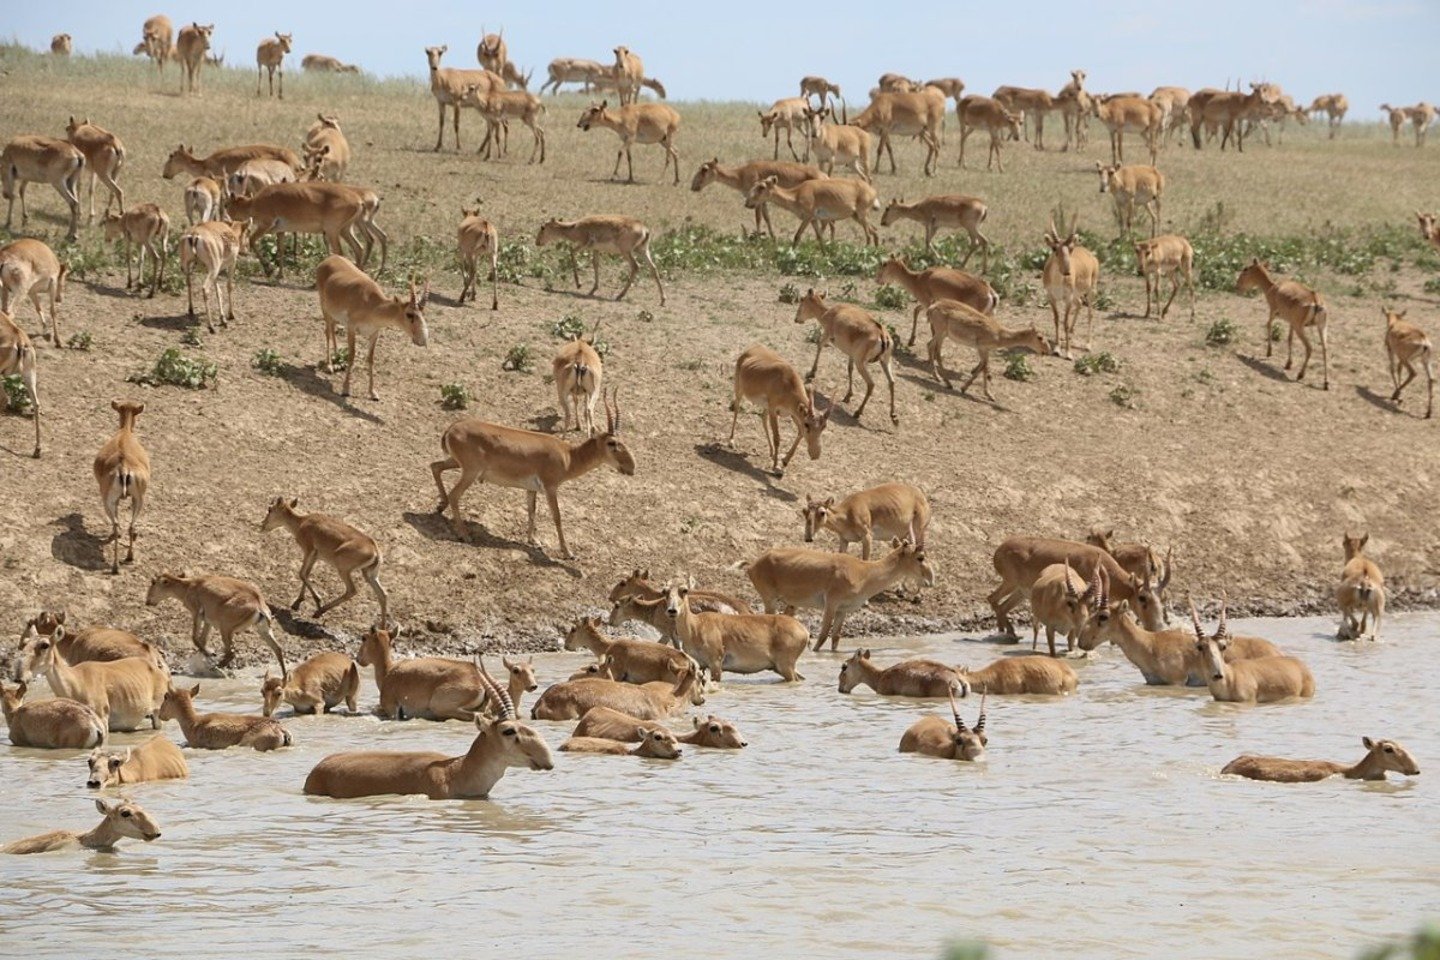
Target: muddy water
x: 1099, y: 827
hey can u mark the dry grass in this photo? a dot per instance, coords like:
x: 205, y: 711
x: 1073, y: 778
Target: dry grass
x: 1253, y: 478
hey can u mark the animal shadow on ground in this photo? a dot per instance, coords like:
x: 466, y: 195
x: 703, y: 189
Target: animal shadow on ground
x: 1264, y: 368
x: 177, y: 321
x: 546, y: 423
x: 307, y: 379
x: 298, y: 625
x: 1380, y: 401
x: 436, y: 526
x: 722, y: 456
x: 15, y: 451
x: 76, y: 546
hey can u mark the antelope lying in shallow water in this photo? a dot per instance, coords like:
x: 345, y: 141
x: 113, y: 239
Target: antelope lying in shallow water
x: 1262, y: 680
x: 1023, y: 674
x: 156, y: 759
x: 908, y: 678
x: 609, y: 724
x: 1380, y: 756
x: 933, y: 736
x: 500, y: 743
x: 121, y: 820
x: 656, y: 744
x: 55, y: 724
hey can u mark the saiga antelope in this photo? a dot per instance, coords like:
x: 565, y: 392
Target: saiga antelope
x: 322, y: 682
x: 1298, y: 305
x: 832, y: 143
x: 908, y: 678
x: 202, y: 200
x: 270, y: 55
x: 147, y: 228
x: 951, y: 319
x: 1361, y: 592
x: 623, y: 236
x: 57, y: 723
x: 222, y: 163
x: 1019, y: 560
x: 629, y: 71
x: 933, y: 736
x: 1168, y: 255
x: 17, y: 359
x: 1061, y: 601
x: 61, y: 44
x: 219, y: 731
x: 904, y: 114
x: 1262, y: 680
x: 955, y: 211
x: 190, y: 47
x: 878, y: 513
x: 342, y: 546
x: 1070, y: 277
x: 157, y: 41
x: 123, y: 693
x: 859, y: 336
x: 349, y: 297
x: 1122, y: 115
x: 119, y: 821
x: 533, y: 462
x: 29, y: 268
x: 41, y: 160
x: 641, y: 123
x: 1405, y: 346
x: 654, y: 744
x: 740, y: 643
x: 225, y: 603
x: 1132, y: 186
x: 498, y: 107
x: 1380, y: 756
x: 334, y: 210
x: 937, y: 283
x: 572, y: 70
x: 448, y: 86
x: 104, y: 156
x: 122, y: 470
x: 817, y: 202
x: 500, y: 742
x: 837, y: 583
x: 1027, y: 103
x: 1034, y: 675
x: 1334, y: 106
x: 977, y: 112
x: 1429, y: 229
x: 156, y: 759
x: 477, y: 237
x: 579, y: 380
x: 88, y: 643
x: 787, y: 114
x: 321, y: 63
x: 763, y: 377
x: 814, y: 86
x: 214, y: 245
x: 432, y: 688
x: 744, y: 176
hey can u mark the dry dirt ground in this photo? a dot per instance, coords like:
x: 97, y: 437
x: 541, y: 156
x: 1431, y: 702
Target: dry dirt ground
x: 1251, y: 477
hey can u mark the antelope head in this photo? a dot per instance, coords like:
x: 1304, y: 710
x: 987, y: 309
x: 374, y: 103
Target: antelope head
x: 1061, y: 249
x: 519, y: 745
x: 128, y: 820
x: 1392, y: 756
x: 615, y: 452
x: 1354, y: 546
x: 593, y: 114
x: 705, y: 175
x: 433, y: 55
x: 815, y: 423
x: 909, y: 556
x: 816, y: 512
x: 105, y: 767
x: 969, y: 743
x: 812, y: 306
x: 761, y: 193
x: 271, y: 690
x: 1107, y: 175
x: 1213, y: 647
x: 524, y: 671
x: 413, y: 312
x: 852, y: 671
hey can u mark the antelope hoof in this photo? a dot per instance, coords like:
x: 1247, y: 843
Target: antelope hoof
x: 374, y: 395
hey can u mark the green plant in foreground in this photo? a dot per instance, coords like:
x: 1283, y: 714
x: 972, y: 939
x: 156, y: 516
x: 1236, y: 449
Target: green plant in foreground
x: 1017, y: 367
x: 174, y: 369
x: 1424, y: 944
x: 1093, y: 363
x: 340, y: 359
x: 569, y: 327
x: 191, y: 337
x: 268, y: 362
x: 1275, y: 331
x: 789, y: 293
x: 1223, y: 331
x: 80, y: 341
x: 1124, y: 396
x: 518, y: 359
x: 454, y: 396
x: 889, y: 297
x: 16, y: 397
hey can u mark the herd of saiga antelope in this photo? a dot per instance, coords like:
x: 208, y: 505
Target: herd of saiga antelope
x: 108, y: 679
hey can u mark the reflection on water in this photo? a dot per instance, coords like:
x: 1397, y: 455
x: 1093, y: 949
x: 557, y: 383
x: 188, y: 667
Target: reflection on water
x: 1098, y: 827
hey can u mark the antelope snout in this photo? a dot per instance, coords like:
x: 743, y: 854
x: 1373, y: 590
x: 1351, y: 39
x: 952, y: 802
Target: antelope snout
x: 152, y: 836
x: 93, y: 784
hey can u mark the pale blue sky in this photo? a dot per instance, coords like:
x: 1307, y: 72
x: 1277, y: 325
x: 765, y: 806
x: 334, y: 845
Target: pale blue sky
x: 1372, y: 50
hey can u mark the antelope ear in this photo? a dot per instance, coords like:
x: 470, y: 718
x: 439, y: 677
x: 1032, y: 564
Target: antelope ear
x: 294, y: 502
x: 1369, y: 744
x: 102, y: 807
x: 195, y: 690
